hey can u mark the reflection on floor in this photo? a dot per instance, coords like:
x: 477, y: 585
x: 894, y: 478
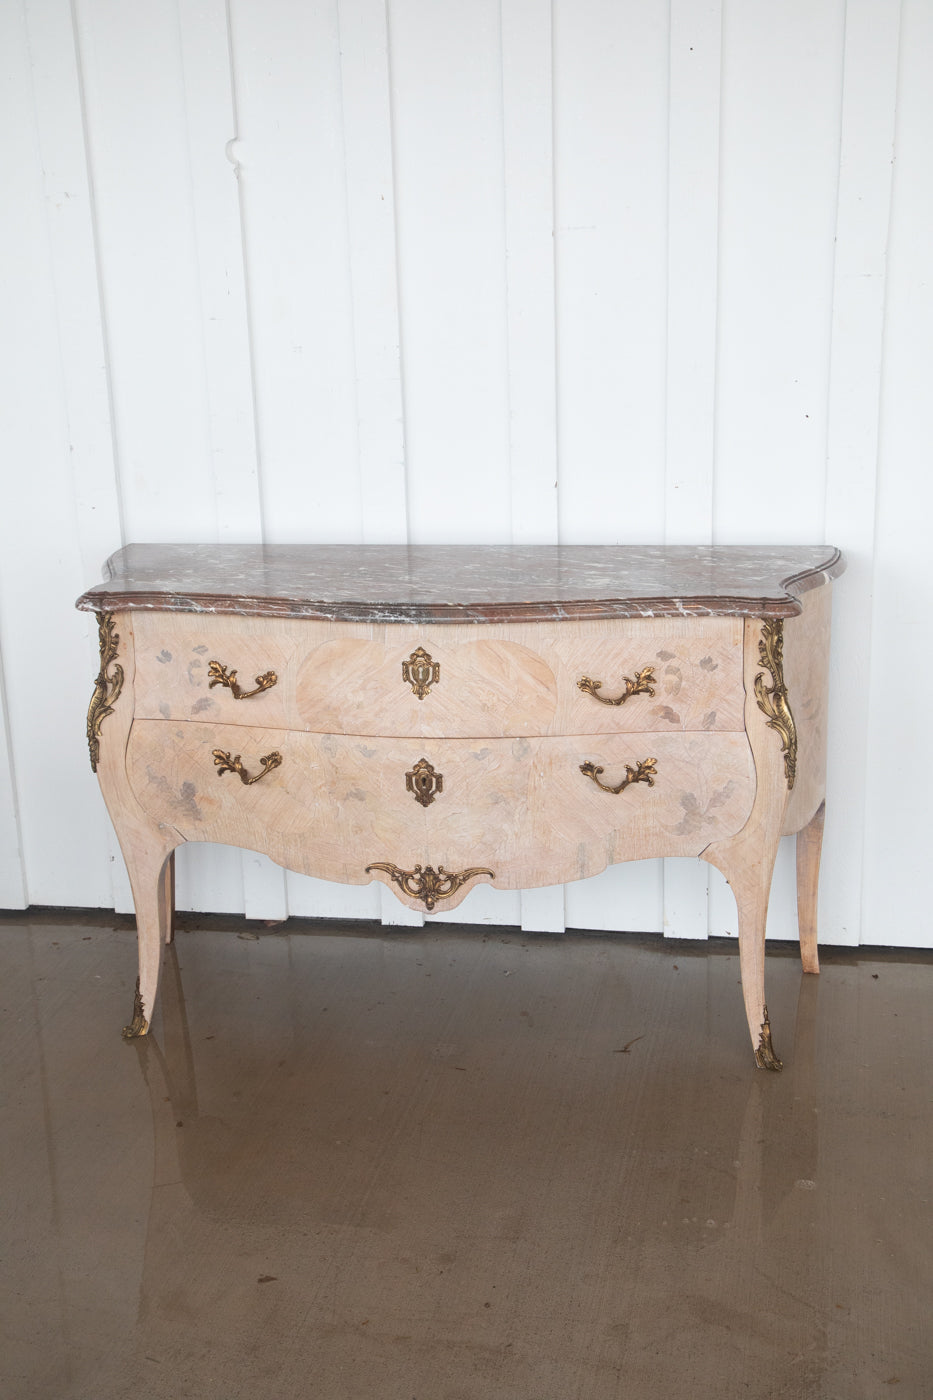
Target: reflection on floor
x: 459, y: 1164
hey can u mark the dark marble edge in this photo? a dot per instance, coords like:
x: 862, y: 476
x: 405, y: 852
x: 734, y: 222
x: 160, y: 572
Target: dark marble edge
x: 103, y: 598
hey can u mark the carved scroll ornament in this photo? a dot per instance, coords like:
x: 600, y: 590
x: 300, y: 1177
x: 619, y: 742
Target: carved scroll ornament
x: 772, y: 700
x: 426, y: 883
x: 106, y: 688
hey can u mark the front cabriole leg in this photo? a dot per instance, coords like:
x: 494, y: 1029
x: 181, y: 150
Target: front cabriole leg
x: 747, y: 859
x: 147, y: 845
x: 748, y: 866
x: 150, y: 878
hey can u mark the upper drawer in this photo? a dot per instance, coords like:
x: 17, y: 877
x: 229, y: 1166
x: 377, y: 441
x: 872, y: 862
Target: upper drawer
x: 480, y: 681
x: 175, y: 653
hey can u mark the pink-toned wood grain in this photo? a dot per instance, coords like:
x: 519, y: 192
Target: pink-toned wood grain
x: 809, y: 847
x: 806, y: 674
x: 147, y: 841
x: 522, y: 807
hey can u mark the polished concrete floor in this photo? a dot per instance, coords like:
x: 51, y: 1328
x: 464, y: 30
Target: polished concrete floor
x: 459, y: 1164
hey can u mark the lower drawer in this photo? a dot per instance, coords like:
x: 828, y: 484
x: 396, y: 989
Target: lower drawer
x: 528, y: 811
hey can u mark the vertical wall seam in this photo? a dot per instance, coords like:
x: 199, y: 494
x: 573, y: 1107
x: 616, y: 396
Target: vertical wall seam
x: 193, y: 227
x: 351, y: 276
x: 6, y: 738
x: 717, y: 327
x: 832, y: 273
x: 245, y: 261
x: 98, y: 267
x: 882, y: 378
x: 504, y: 213
x: 399, y: 280
x: 717, y: 290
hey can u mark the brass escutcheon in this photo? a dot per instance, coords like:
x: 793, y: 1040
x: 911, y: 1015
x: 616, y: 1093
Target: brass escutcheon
x: 643, y: 684
x: 421, y: 671
x: 426, y: 883
x: 424, y: 782
x: 226, y: 764
x: 219, y: 675
x: 644, y: 772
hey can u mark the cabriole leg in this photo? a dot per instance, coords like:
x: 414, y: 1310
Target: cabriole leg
x: 152, y: 884
x: 751, y: 898
x: 750, y: 881
x: 809, y: 847
x: 168, y: 876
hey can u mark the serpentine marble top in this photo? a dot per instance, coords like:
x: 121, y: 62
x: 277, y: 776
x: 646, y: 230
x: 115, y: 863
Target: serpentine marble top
x: 462, y: 583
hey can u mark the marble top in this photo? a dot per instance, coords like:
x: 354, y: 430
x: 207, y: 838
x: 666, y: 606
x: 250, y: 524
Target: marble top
x: 463, y: 583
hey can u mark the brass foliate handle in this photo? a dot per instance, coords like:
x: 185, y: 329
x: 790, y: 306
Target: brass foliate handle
x: 644, y: 772
x: 219, y: 675
x: 643, y: 684
x: 227, y: 764
x: 426, y: 883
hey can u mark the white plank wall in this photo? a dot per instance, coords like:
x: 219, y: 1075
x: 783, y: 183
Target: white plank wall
x: 576, y: 271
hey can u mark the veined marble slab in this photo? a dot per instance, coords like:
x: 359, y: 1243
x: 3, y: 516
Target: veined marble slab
x: 463, y: 583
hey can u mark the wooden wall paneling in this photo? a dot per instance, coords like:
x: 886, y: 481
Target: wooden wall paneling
x: 692, y: 284
x: 623, y: 899
x: 370, y: 189
x: 610, y: 159
x: 692, y: 270
x: 212, y: 138
x: 63, y: 842
x: 211, y: 127
x: 528, y: 173
x: 862, y: 226
x: 610, y: 153
x: 60, y: 126
x: 779, y: 165
x: 373, y: 256
x: 781, y: 100
x: 322, y: 899
x: 12, y: 869
x: 528, y: 146
x: 289, y: 155
x: 447, y: 126
x: 446, y: 111
x: 150, y: 83
x: 137, y: 135
x: 899, y: 756
x: 484, y: 906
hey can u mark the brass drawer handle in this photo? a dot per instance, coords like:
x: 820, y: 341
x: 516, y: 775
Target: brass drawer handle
x: 643, y: 684
x: 424, y: 882
x: 226, y: 764
x: 645, y: 772
x: 219, y: 675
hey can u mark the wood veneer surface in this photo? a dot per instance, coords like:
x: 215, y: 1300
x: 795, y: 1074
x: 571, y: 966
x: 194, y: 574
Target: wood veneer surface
x: 456, y: 583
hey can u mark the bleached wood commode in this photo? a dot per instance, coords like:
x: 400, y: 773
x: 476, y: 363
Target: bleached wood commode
x: 437, y: 717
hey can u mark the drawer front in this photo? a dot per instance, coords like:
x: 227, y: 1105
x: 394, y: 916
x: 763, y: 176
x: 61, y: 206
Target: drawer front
x: 427, y: 684
x: 667, y: 675
x: 340, y: 678
x: 663, y: 675
x: 523, y: 809
x: 179, y: 654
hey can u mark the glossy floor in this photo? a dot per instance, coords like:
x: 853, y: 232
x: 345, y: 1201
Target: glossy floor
x: 459, y: 1165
